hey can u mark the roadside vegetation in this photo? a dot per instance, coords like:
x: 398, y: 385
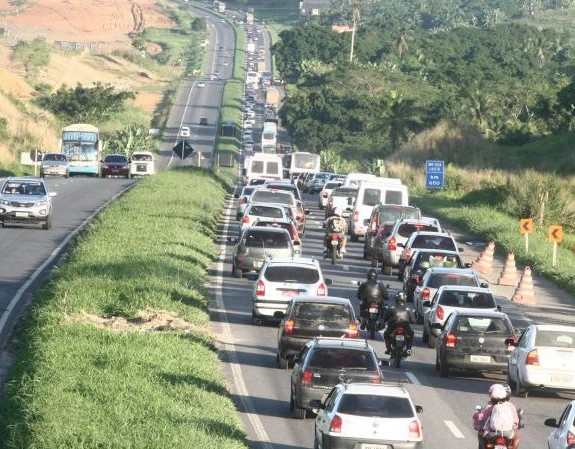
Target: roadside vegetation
x: 117, y: 346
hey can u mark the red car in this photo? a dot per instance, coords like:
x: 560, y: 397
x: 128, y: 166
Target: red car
x: 115, y: 165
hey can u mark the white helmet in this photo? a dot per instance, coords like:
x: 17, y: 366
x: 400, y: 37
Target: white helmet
x: 498, y: 393
x: 336, y: 211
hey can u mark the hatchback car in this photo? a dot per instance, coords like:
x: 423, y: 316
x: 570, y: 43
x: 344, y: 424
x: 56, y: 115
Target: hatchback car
x: 115, y: 165
x: 434, y: 278
x: 449, y: 298
x: 254, y: 211
x: 366, y: 415
x: 301, y: 212
x: 255, y: 245
x: 26, y: 200
x: 325, y: 192
x: 286, y: 198
x: 282, y: 278
x: 543, y: 358
x: 307, y: 317
x: 242, y: 197
x: 478, y: 340
x: 563, y: 434
x: 325, y: 362
x: 286, y: 224
x: 54, y: 164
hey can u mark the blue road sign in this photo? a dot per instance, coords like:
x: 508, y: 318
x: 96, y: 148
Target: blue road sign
x: 434, y: 174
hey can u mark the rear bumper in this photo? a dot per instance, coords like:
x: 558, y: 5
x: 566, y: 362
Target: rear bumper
x: 462, y: 360
x: 334, y: 442
x: 266, y: 307
x: 547, y: 379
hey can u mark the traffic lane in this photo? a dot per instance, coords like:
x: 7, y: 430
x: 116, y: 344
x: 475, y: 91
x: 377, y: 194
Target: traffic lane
x: 26, y: 248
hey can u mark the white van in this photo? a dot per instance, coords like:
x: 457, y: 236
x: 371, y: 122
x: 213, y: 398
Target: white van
x: 370, y: 193
x: 142, y: 163
x: 353, y: 179
x: 264, y: 166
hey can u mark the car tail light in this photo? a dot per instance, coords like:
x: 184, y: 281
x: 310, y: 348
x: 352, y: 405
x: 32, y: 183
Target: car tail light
x: 414, y: 429
x: 335, y: 424
x: 246, y: 219
x: 306, y: 378
x: 260, y: 288
x: 408, y: 254
x: 243, y: 200
x: 450, y: 340
x: 288, y: 326
x: 321, y: 290
x: 391, y: 244
x: 356, y: 215
x: 511, y: 347
x: 440, y: 312
x: 570, y: 439
x: 352, y: 331
x: 532, y: 358
x: 425, y: 294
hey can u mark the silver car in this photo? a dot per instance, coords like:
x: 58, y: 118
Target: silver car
x: 54, y: 164
x: 26, y: 200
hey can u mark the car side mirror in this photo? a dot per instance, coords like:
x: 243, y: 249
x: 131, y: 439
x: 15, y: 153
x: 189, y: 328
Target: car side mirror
x: 510, y: 342
x: 426, y: 303
x: 328, y: 281
x: 401, y: 245
x: 467, y: 265
x: 437, y: 326
x: 52, y: 194
x: 460, y: 250
x: 551, y: 422
x: 233, y: 239
x: 498, y: 307
x: 252, y: 276
x: 316, y: 404
x: 383, y: 363
x: 419, y: 409
x: 484, y: 285
x: 236, y: 195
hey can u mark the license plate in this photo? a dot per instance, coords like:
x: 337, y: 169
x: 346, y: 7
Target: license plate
x: 480, y: 358
x: 561, y: 379
x: 399, y: 337
x: 334, y: 243
x: 373, y: 446
x: 21, y: 214
x: 289, y: 293
x: 499, y: 446
x: 258, y: 263
x: 373, y: 310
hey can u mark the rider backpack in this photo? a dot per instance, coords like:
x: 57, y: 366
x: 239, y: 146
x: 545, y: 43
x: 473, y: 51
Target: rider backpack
x: 335, y: 226
x: 501, y: 419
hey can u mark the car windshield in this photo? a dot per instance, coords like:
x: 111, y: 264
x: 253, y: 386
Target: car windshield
x: 466, y: 299
x: 554, y: 338
x: 24, y: 189
x: 429, y: 260
x: 342, y: 358
x: 480, y: 325
x: 55, y: 157
x: 405, y: 230
x: 436, y: 280
x: 375, y: 406
x: 120, y: 159
x: 291, y: 274
x: 266, y: 239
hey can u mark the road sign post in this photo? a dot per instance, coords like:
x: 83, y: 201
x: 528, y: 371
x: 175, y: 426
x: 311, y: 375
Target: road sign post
x: 434, y: 174
x: 555, y: 235
x: 526, y: 228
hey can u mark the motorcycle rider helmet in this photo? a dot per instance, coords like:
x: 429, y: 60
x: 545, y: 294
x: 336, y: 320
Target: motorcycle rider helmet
x: 499, y: 393
x: 372, y: 274
x: 400, y: 299
x: 336, y: 211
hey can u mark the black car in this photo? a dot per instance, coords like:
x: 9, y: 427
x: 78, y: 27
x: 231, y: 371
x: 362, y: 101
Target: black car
x: 474, y: 341
x: 325, y: 362
x: 307, y: 317
x: 203, y: 121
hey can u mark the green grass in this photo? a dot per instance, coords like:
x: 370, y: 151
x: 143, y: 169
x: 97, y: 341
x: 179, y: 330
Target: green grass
x: 78, y: 385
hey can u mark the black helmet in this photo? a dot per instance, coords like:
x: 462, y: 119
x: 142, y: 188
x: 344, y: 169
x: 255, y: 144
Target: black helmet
x: 400, y: 299
x: 372, y: 274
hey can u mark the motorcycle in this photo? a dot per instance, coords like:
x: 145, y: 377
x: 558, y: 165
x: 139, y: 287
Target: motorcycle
x: 333, y: 247
x: 373, y: 317
x: 495, y: 440
x: 399, y: 346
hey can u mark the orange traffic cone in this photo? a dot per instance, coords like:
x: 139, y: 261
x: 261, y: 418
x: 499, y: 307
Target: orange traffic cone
x: 525, y: 293
x: 509, y: 273
x: 485, y: 261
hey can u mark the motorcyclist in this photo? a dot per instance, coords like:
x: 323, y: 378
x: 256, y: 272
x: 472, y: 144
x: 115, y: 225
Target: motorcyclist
x: 335, y: 224
x: 498, y: 394
x: 370, y: 291
x: 398, y: 316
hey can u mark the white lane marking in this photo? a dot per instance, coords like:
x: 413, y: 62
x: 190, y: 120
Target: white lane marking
x: 239, y: 382
x: 412, y: 378
x: 454, y: 430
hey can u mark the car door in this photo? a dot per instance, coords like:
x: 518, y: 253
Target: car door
x: 323, y: 419
x: 558, y: 436
x: 519, y: 353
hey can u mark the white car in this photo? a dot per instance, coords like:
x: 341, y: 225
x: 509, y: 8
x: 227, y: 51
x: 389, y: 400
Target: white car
x: 544, y: 357
x: 563, y: 435
x: 367, y: 415
x: 253, y: 211
x: 185, y: 131
x: 325, y: 192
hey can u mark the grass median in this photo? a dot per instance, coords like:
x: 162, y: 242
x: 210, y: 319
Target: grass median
x: 116, y: 352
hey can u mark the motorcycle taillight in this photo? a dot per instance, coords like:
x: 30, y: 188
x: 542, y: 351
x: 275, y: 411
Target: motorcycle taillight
x: 400, y: 331
x: 335, y: 237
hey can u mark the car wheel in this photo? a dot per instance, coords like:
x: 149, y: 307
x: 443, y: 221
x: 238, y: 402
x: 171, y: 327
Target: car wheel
x: 237, y: 272
x: 354, y: 238
x: 443, y: 369
x: 520, y: 391
x: 418, y: 317
x: 510, y: 382
x: 48, y: 223
x: 430, y: 340
x: 282, y: 362
x: 374, y: 262
x: 424, y: 336
x: 299, y: 413
x: 255, y: 320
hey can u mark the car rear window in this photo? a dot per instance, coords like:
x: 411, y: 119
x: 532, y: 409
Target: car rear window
x: 376, y: 406
x: 331, y: 185
x: 393, y: 197
x: 266, y: 211
x: 438, y: 279
x: 248, y: 191
x: 291, y: 274
x: 371, y: 197
x: 332, y: 313
x: 559, y: 339
x: 405, y: 230
x: 264, y: 196
x: 470, y: 300
x: 477, y: 325
x: 266, y: 239
x: 342, y: 358
x: 433, y: 242
x: 429, y: 260
x: 344, y: 192
x: 391, y: 215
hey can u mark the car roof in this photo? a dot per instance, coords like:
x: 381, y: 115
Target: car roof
x: 480, y: 313
x: 432, y: 233
x: 424, y: 220
x: 273, y: 220
x: 289, y: 260
x: 376, y: 389
x: 322, y: 299
x: 553, y: 327
x: 335, y: 342
x: 445, y: 252
x: 23, y: 179
x: 464, y: 288
x: 265, y: 229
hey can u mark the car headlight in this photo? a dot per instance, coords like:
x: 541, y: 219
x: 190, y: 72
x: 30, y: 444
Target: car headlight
x: 41, y: 203
x: 4, y: 202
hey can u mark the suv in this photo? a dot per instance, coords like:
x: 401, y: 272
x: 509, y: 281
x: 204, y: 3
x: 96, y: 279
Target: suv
x: 301, y: 212
x: 313, y: 316
x: 381, y: 221
x: 26, y: 200
x: 325, y: 362
x: 368, y: 415
x: 400, y: 233
x: 253, y: 211
x: 449, y: 298
x: 286, y: 224
x: 282, y: 278
x: 425, y: 239
x: 342, y: 197
x: 257, y: 243
x: 284, y: 197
